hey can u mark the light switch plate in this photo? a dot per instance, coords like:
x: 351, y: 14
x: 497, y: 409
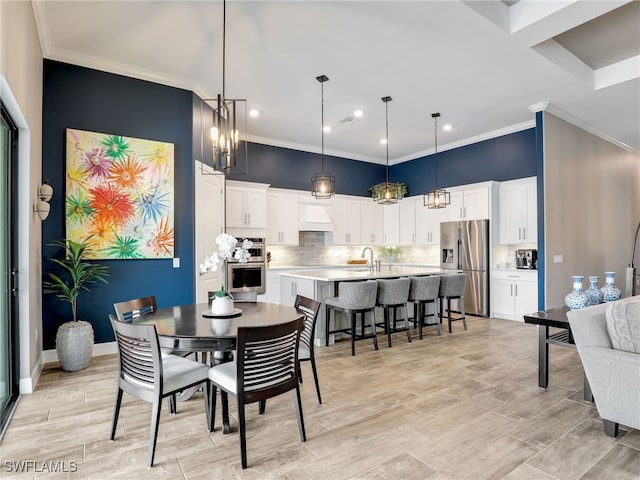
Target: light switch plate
x: 176, y: 263
x: 557, y: 259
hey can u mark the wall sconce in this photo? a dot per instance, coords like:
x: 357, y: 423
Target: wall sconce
x: 42, y: 206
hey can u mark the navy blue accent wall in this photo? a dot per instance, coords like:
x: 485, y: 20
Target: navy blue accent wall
x: 503, y: 158
x: 540, y: 190
x: 81, y: 98
x: 288, y: 168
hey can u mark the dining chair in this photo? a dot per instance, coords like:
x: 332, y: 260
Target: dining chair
x: 266, y: 366
x: 148, y: 375
x: 131, y: 309
x: 452, y: 287
x: 310, y: 309
x: 353, y: 298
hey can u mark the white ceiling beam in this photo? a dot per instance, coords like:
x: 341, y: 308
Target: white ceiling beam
x: 618, y: 72
x: 563, y: 58
x: 533, y: 22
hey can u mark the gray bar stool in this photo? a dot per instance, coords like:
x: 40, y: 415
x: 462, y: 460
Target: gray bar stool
x: 393, y: 293
x: 425, y: 290
x: 452, y: 287
x: 353, y: 298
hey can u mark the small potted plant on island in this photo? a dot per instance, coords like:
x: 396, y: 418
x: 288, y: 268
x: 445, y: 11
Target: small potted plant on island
x: 74, y: 339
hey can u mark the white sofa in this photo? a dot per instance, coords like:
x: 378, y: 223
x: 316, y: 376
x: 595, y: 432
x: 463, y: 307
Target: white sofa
x: 608, y: 340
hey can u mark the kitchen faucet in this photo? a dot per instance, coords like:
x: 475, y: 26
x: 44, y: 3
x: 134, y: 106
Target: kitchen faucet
x: 371, y: 255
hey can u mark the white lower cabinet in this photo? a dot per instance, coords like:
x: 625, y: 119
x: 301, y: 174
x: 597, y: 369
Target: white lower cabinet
x: 514, y: 294
x: 290, y: 287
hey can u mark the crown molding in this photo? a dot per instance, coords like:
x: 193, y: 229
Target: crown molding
x: 567, y: 117
x: 467, y: 141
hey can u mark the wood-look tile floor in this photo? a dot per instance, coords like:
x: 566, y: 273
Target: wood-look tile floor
x: 459, y: 406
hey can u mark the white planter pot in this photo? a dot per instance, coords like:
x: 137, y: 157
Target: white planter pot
x: 222, y: 305
x: 74, y: 344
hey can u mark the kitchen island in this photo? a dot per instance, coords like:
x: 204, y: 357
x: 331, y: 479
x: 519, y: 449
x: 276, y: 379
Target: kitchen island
x: 320, y: 284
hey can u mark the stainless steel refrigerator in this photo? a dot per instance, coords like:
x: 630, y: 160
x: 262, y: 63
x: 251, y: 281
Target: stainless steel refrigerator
x: 465, y: 246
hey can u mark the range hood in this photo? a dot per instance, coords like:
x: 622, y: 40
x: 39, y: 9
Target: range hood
x: 315, y: 217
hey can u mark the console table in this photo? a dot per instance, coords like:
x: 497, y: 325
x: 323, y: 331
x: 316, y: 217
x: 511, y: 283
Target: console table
x: 554, y: 317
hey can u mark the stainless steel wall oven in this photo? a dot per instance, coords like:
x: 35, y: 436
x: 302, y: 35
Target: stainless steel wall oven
x: 250, y: 276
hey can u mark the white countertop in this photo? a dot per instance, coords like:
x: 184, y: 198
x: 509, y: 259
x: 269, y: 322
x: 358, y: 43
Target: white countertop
x: 363, y: 273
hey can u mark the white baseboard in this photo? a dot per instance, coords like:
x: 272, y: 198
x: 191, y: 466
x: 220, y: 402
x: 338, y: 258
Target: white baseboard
x: 107, y: 348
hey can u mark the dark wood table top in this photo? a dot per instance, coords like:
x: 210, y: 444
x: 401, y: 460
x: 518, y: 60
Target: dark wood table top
x: 186, y: 328
x: 553, y: 317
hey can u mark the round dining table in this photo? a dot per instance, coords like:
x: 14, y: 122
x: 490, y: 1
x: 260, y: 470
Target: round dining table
x: 193, y: 328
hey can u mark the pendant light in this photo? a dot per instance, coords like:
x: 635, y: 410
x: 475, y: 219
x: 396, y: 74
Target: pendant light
x: 438, y: 197
x: 225, y: 136
x: 388, y: 193
x: 323, y: 185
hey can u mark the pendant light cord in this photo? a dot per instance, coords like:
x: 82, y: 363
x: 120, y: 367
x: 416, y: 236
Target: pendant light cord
x: 322, y: 123
x: 435, y: 154
x: 224, y: 43
x: 386, y: 109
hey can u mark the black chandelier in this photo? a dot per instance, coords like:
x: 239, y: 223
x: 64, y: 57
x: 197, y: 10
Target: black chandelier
x: 225, y: 136
x: 387, y: 193
x: 323, y: 185
x: 438, y: 197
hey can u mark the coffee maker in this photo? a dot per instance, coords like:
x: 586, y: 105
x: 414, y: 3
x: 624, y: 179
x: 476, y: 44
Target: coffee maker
x: 527, y: 258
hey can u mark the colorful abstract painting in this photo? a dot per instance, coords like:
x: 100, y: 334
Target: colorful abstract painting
x: 120, y: 195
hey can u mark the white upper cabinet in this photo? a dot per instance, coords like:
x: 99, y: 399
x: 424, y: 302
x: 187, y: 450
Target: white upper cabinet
x: 468, y: 203
x: 346, y: 220
x: 246, y: 207
x: 407, y: 212
x: 282, y: 217
x: 371, y: 222
x: 518, y: 211
x: 427, y: 224
x: 391, y: 224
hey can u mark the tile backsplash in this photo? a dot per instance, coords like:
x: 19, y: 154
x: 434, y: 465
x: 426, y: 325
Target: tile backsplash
x: 315, y: 248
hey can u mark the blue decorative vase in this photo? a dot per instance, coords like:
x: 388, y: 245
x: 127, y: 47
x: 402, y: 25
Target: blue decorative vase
x: 593, y: 293
x: 576, y: 299
x: 610, y: 292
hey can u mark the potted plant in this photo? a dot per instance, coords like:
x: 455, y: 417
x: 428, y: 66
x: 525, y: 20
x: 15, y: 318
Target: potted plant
x: 74, y: 339
x: 398, y: 190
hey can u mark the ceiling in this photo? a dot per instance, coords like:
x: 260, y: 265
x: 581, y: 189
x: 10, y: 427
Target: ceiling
x: 484, y: 65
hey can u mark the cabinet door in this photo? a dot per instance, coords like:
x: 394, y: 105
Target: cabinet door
x: 391, y: 224
x: 273, y: 288
x: 282, y: 218
x: 273, y: 219
x: 371, y: 222
x: 256, y: 208
x: 407, y: 221
x: 340, y: 221
x: 353, y: 221
x: 531, y: 212
x: 512, y: 209
x: 235, y: 207
x: 526, y: 298
x: 502, y: 298
x: 288, y: 290
x: 476, y: 203
x: 427, y: 224
x: 455, y: 210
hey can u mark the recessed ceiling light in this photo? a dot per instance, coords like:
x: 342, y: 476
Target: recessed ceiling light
x: 383, y: 141
x: 254, y: 113
x: 447, y: 127
x: 358, y: 113
x: 326, y: 129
